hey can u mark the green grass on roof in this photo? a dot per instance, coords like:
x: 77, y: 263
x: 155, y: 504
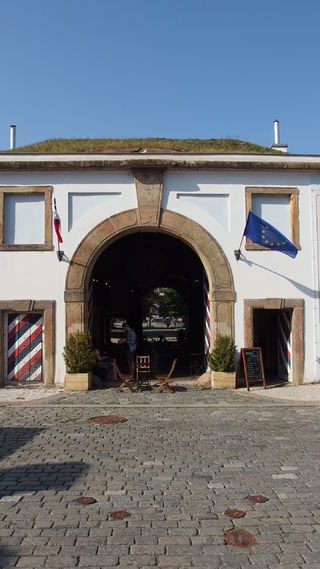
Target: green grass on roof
x: 212, y: 145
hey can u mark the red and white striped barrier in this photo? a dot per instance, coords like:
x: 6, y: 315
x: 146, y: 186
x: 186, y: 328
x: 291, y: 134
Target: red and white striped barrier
x: 25, y: 347
x: 285, y: 346
x: 206, y: 301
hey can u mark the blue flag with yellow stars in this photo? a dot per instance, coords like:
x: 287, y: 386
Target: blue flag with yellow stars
x: 261, y: 232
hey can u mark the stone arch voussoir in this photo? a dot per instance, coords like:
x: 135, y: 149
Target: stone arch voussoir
x: 221, y: 288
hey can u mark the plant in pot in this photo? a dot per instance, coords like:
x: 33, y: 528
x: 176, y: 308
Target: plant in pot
x: 222, y: 363
x: 80, y: 358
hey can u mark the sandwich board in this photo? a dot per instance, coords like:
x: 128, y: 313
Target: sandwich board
x: 251, y: 363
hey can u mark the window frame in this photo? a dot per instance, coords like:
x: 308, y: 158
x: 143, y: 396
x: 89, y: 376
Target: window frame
x: 46, y: 191
x: 293, y: 212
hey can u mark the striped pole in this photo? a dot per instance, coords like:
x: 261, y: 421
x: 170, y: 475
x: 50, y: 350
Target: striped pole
x: 285, y: 346
x: 90, y: 309
x: 206, y: 304
x: 25, y: 347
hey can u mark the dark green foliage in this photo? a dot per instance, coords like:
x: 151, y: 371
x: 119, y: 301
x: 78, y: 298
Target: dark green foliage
x: 223, y: 356
x: 163, y: 301
x: 79, y: 354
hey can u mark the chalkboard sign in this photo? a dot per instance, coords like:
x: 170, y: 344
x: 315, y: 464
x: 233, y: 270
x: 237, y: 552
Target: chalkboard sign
x: 253, y: 363
x: 251, y: 360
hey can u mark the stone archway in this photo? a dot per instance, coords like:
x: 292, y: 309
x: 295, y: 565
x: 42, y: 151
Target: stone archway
x: 149, y: 217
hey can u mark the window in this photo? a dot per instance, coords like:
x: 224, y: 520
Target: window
x: 25, y: 218
x: 278, y: 206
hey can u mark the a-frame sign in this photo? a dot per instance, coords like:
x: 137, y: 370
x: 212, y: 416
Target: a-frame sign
x: 251, y: 363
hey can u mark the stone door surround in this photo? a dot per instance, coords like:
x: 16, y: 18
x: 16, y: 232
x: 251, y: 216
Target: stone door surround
x: 150, y: 217
x: 297, y: 307
x: 47, y: 307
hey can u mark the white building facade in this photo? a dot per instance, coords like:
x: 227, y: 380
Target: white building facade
x: 201, y: 201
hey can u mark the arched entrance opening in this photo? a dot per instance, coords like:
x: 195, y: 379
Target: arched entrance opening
x: 156, y: 282
x: 208, y: 253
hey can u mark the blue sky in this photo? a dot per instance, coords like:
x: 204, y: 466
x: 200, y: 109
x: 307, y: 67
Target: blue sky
x: 161, y: 68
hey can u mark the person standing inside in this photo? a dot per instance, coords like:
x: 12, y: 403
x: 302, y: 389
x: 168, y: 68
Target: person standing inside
x: 131, y: 348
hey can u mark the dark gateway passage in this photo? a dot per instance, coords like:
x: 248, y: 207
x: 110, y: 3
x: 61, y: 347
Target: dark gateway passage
x: 129, y: 270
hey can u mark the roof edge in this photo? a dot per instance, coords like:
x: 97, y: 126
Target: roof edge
x: 103, y: 161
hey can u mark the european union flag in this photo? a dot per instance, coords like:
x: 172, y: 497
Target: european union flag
x: 260, y: 231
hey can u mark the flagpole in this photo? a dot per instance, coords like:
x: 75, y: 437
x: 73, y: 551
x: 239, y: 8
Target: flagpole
x: 237, y: 252
x: 59, y: 253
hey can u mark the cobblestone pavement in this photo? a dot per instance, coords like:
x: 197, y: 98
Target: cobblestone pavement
x: 175, y: 466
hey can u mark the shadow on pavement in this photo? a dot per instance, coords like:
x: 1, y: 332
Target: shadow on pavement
x: 9, y: 556
x: 40, y: 477
x: 12, y: 438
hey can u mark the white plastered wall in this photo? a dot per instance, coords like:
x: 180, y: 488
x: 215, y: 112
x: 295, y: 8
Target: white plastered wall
x: 264, y: 274
x: 39, y: 275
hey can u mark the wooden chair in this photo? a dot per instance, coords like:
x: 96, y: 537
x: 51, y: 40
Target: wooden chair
x: 143, y: 371
x: 164, y: 379
x: 126, y: 379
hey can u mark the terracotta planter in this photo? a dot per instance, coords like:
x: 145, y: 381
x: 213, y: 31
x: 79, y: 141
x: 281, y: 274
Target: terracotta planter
x: 78, y: 381
x: 223, y: 380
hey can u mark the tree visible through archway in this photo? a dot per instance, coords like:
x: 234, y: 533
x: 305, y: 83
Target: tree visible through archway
x: 164, y: 315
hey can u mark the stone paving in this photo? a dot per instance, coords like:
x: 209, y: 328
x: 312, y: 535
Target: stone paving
x: 27, y: 393
x: 175, y: 466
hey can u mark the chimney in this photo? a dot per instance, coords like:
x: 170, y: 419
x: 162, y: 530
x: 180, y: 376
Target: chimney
x: 277, y: 145
x: 276, y: 131
x: 12, y: 136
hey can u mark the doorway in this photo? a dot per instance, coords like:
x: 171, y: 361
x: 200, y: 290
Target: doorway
x: 208, y: 253
x: 272, y: 331
x: 151, y: 270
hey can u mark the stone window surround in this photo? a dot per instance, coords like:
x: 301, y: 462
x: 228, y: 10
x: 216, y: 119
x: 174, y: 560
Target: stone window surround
x: 294, y: 212
x: 47, y: 308
x: 297, y: 307
x: 47, y: 192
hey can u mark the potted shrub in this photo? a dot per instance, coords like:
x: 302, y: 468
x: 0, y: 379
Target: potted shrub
x: 222, y: 363
x: 80, y: 358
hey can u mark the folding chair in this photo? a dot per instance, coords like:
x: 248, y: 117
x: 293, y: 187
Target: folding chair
x: 124, y: 378
x: 164, y: 379
x: 143, y: 371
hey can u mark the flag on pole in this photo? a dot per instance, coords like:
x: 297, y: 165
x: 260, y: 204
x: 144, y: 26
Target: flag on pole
x: 263, y: 233
x: 57, y: 222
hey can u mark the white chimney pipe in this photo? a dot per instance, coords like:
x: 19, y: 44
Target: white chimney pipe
x: 276, y: 132
x: 12, y: 136
x: 277, y: 146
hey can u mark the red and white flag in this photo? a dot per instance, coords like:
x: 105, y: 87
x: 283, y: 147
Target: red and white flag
x: 57, y: 222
